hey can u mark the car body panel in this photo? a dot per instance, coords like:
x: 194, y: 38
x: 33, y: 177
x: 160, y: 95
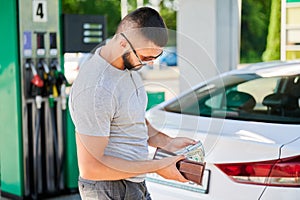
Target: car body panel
x: 291, y: 149
x: 281, y: 193
x: 267, y: 69
x: 219, y: 135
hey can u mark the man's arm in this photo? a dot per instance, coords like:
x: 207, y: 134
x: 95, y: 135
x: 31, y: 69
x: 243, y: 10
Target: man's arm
x: 94, y: 165
x: 161, y: 140
x: 156, y: 138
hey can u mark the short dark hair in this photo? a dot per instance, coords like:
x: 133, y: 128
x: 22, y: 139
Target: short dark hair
x: 150, y: 23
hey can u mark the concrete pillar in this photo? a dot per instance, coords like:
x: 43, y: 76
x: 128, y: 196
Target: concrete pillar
x: 124, y: 8
x: 140, y: 3
x: 155, y: 4
x: 207, y: 39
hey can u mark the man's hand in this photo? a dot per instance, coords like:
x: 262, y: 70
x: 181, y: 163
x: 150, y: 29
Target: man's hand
x: 170, y: 171
x: 178, y: 143
x: 159, y: 139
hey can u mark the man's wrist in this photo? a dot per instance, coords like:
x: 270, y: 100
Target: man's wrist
x: 166, y: 140
x: 169, y: 139
x: 159, y: 139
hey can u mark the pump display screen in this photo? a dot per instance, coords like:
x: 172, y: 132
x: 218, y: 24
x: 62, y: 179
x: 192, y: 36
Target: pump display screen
x: 83, y: 32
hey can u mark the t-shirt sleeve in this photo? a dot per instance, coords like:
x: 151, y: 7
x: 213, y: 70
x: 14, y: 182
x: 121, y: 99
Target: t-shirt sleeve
x: 93, y: 111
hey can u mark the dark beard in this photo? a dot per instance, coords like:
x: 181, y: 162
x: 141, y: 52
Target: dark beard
x: 127, y: 63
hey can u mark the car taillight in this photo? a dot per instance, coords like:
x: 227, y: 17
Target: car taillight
x: 282, y: 172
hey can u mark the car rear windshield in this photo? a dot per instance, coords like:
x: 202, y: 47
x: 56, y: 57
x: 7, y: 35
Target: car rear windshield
x: 244, y: 97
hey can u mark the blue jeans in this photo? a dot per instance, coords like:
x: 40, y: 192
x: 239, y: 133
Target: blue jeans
x: 112, y: 190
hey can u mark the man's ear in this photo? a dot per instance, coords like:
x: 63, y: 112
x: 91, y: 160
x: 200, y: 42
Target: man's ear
x: 123, y: 43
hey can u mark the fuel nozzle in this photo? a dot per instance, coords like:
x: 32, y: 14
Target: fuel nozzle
x: 38, y: 101
x: 61, y: 82
x: 36, y: 80
x: 42, y: 64
x: 53, y: 81
x: 63, y: 95
x: 55, y: 65
x: 44, y: 72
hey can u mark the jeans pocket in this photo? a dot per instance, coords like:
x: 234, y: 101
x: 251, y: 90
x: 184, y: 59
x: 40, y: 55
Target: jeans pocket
x: 87, y: 189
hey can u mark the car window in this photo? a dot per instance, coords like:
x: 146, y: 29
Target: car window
x: 244, y: 97
x: 258, y: 89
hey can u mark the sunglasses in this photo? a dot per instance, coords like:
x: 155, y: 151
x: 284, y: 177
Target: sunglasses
x: 145, y: 59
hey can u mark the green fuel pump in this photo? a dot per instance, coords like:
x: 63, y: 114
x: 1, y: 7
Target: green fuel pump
x: 35, y: 127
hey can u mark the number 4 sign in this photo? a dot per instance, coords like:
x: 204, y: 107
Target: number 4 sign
x: 39, y: 10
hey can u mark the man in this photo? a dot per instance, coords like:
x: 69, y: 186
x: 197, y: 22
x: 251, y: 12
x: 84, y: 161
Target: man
x: 107, y: 105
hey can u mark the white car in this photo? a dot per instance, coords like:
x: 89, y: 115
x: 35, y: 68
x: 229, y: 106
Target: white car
x: 249, y: 123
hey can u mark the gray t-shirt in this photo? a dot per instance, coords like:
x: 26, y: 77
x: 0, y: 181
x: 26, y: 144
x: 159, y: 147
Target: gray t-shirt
x: 106, y: 101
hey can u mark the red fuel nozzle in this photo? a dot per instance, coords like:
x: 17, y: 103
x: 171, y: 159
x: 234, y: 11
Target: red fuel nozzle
x: 37, y: 81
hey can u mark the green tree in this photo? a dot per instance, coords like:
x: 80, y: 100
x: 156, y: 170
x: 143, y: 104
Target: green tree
x: 169, y: 13
x: 272, y: 51
x: 254, y: 28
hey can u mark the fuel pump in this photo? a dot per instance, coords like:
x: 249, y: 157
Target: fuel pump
x: 42, y: 97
